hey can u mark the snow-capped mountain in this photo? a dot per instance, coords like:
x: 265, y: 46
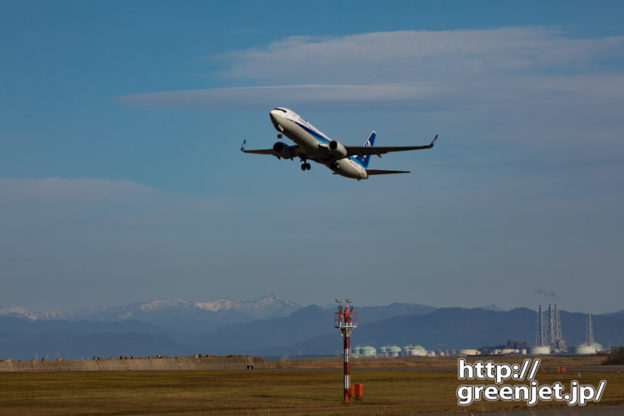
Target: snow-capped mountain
x: 172, y: 312
x: 268, y: 306
x: 17, y: 312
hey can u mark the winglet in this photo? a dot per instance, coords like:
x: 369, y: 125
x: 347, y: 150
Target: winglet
x: 434, y: 140
x: 243, y: 145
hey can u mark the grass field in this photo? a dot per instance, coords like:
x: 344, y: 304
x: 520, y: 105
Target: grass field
x: 256, y: 392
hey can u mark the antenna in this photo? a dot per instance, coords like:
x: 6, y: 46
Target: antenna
x: 346, y: 321
x: 590, y: 331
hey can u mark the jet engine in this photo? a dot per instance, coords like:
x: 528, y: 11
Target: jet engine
x: 337, y: 149
x: 283, y: 150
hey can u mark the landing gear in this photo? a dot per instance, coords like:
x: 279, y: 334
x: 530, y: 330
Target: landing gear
x: 279, y: 135
x: 305, y: 166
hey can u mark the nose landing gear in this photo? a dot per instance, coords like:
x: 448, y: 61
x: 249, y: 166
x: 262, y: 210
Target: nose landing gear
x: 306, y: 166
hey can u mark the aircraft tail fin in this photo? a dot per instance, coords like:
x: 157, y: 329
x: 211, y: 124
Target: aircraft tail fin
x: 364, y: 160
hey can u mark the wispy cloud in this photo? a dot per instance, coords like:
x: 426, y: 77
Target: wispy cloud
x: 227, y: 98
x: 546, y: 293
x: 419, y: 55
x: 50, y: 190
x: 442, y: 69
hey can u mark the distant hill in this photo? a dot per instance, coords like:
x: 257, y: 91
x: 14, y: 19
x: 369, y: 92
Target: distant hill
x: 25, y: 326
x: 454, y: 328
x: 176, y: 327
x: 444, y: 328
x: 23, y: 339
x: 608, y: 328
x: 301, y: 325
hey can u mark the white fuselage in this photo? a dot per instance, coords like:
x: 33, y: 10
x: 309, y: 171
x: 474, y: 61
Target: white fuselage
x: 314, y: 145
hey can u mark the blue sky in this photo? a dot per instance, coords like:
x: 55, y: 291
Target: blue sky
x: 121, y: 179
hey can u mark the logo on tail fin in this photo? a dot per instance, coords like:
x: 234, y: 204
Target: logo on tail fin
x: 363, y: 160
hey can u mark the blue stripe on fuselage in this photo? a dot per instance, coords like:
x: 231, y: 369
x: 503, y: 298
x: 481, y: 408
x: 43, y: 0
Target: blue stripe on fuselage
x: 315, y: 134
x: 322, y: 139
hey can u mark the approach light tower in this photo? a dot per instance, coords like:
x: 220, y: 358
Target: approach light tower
x: 346, y: 321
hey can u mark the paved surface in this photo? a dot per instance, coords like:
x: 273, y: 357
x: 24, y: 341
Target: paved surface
x: 570, y: 369
x: 574, y: 369
x: 565, y: 411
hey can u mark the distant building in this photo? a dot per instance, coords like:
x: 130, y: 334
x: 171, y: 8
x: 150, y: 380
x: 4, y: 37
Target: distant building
x: 382, y: 352
x: 414, y: 351
x: 364, y: 351
x: 393, y: 351
x: 368, y: 351
x: 539, y: 350
x: 469, y: 351
x: 590, y: 346
x: 513, y: 346
x: 549, y: 332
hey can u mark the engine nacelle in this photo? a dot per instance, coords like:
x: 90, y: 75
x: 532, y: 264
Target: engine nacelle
x: 283, y: 150
x: 337, y: 149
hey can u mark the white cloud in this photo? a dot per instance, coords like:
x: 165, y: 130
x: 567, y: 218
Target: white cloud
x: 229, y: 98
x: 418, y: 55
x: 529, y: 67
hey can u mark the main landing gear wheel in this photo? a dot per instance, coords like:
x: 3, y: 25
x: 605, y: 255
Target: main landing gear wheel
x: 306, y: 166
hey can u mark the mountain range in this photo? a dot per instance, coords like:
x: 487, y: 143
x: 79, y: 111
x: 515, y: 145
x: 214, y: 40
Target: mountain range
x: 173, y: 312
x: 270, y: 326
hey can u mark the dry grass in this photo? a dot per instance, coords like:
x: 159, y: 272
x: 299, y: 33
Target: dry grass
x: 257, y: 392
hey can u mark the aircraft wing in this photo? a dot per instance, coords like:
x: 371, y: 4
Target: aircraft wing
x: 279, y: 150
x: 374, y: 150
x: 384, y: 172
x: 257, y: 151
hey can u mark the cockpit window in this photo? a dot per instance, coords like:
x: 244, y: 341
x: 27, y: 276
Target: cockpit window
x: 280, y: 109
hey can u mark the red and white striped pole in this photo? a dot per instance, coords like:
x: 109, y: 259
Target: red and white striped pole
x: 346, y: 320
x: 347, y: 365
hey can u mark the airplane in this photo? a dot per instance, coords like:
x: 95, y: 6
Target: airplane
x: 311, y: 144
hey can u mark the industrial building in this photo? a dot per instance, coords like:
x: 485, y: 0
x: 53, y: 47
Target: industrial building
x: 549, y: 338
x: 391, y: 351
x: 590, y: 346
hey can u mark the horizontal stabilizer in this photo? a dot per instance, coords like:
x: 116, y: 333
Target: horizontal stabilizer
x: 384, y: 172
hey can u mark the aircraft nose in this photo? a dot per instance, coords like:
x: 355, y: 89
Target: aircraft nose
x: 273, y: 115
x: 276, y: 118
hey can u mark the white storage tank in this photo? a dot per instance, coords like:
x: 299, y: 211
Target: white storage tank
x: 368, y: 351
x: 585, y: 349
x: 418, y: 351
x: 393, y: 351
x: 539, y: 350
